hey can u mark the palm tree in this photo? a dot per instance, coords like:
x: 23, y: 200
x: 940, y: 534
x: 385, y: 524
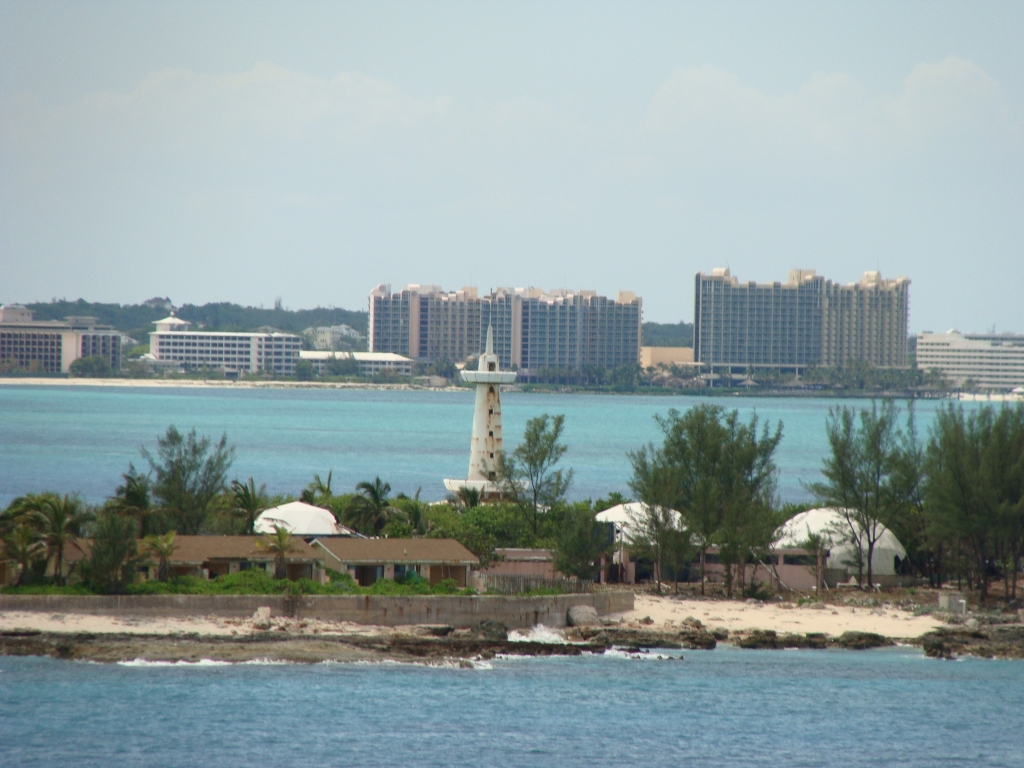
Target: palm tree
x: 249, y: 502
x: 415, y: 512
x: 134, y: 499
x: 22, y: 545
x: 279, y: 544
x: 317, y: 492
x: 465, y: 498
x: 371, y: 510
x: 58, y: 520
x: 162, y: 548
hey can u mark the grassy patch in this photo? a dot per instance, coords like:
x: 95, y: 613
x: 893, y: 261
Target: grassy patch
x: 258, y: 582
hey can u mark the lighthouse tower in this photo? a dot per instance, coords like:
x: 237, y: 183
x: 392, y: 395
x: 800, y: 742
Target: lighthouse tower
x: 486, y: 443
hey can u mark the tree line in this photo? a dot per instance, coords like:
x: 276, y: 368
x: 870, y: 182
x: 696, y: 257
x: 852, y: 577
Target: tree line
x: 954, y: 498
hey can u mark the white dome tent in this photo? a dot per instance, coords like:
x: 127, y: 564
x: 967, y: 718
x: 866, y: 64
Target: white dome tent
x: 843, y: 551
x: 301, y: 519
x: 628, y: 517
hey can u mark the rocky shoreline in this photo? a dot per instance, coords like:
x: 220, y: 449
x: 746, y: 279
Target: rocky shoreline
x: 440, y: 644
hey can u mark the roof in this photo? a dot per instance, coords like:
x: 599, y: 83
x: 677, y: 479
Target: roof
x: 832, y: 524
x: 200, y: 549
x: 172, y: 320
x: 520, y: 555
x: 386, y: 551
x: 301, y: 519
x: 362, y: 357
x: 627, y: 516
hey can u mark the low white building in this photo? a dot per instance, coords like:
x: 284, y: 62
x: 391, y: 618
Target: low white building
x: 369, y: 363
x: 990, y: 361
x: 232, y: 353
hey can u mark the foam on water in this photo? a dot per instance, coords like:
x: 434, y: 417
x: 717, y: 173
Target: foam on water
x: 145, y: 663
x: 537, y: 634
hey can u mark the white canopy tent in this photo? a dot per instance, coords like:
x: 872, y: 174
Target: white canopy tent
x: 628, y: 519
x: 301, y: 519
x: 843, y: 551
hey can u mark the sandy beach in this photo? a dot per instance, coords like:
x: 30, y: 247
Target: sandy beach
x: 212, y: 384
x: 739, y: 616
x: 666, y: 613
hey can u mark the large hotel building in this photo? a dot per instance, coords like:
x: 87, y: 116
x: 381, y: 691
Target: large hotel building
x: 806, y: 321
x: 532, y: 329
x: 51, y: 346
x: 986, y: 360
x: 233, y: 353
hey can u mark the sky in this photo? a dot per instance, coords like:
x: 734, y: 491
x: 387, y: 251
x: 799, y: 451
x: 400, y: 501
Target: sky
x: 308, y: 151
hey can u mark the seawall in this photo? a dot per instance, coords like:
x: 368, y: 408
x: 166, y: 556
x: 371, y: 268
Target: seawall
x: 455, y: 611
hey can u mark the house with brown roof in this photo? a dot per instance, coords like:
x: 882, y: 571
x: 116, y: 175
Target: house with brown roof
x: 212, y: 556
x: 368, y: 560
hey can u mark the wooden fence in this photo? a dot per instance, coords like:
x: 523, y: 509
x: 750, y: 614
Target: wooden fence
x: 499, y: 584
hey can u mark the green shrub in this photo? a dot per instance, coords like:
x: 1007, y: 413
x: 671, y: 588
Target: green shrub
x: 47, y: 589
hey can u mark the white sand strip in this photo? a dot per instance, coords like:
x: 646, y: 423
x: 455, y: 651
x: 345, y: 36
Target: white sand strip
x: 739, y: 616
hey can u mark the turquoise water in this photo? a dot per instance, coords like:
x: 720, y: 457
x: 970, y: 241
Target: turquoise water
x: 722, y: 708
x: 81, y: 438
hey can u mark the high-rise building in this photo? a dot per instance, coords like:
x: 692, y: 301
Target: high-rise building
x: 50, y: 346
x: 531, y: 329
x: 805, y: 321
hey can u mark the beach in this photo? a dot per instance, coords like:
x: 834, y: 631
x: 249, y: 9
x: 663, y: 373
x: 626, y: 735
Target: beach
x: 41, y: 381
x: 738, y: 616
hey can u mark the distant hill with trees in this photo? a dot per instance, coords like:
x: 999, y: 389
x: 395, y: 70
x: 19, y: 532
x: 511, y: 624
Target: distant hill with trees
x: 668, y: 334
x: 137, y: 320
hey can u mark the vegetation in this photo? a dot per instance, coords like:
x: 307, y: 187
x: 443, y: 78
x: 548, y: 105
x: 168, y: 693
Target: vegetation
x: 667, y: 334
x: 114, y: 556
x: 720, y: 475
x: 279, y: 544
x: 94, y: 367
x: 955, y: 500
x: 861, y: 375
x: 528, y: 476
x: 247, y: 502
x: 162, y: 548
x: 971, y: 513
x: 190, y: 474
x: 581, y: 542
x: 871, y: 475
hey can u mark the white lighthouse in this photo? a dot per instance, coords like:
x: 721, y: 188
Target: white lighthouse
x: 486, y: 444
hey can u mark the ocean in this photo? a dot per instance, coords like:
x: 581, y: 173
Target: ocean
x: 81, y: 439
x: 721, y: 708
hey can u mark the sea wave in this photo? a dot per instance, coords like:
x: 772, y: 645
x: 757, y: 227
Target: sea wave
x: 146, y: 663
x: 537, y: 634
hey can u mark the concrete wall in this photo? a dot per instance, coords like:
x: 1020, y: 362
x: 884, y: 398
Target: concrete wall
x: 362, y: 609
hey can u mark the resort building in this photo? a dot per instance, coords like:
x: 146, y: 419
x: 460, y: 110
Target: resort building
x: 232, y: 353
x: 331, y: 336
x: 652, y: 357
x: 806, y: 321
x: 366, y: 363
x: 51, y: 346
x: 369, y: 560
x: 987, y: 361
x: 532, y: 329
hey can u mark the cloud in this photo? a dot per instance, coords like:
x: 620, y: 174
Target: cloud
x: 705, y: 115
